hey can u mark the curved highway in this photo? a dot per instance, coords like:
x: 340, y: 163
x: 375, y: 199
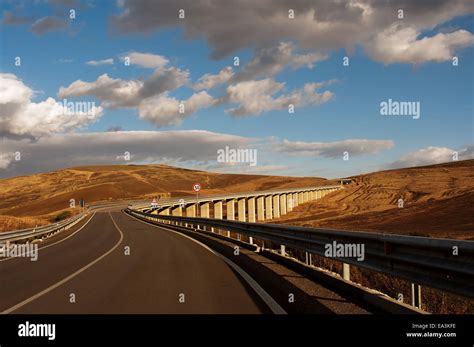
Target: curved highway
x: 117, y: 264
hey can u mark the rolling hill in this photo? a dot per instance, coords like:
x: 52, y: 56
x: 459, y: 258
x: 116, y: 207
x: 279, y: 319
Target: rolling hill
x: 438, y: 201
x: 34, y: 200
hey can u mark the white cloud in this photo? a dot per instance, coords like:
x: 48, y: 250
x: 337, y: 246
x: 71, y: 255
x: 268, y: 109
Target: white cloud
x: 209, y: 81
x: 355, y: 147
x: 146, y: 60
x: 116, y: 93
x: 48, y: 24
x: 432, y: 155
x: 112, y: 92
x: 255, y: 97
x: 20, y: 117
x: 399, y: 44
x: 271, y: 61
x: 186, y: 147
x: 230, y: 26
x: 100, y: 62
x: 164, y: 110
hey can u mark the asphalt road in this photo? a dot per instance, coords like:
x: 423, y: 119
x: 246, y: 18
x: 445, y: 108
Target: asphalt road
x: 91, y: 271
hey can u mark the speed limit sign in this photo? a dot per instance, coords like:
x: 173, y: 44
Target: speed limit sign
x: 196, y: 187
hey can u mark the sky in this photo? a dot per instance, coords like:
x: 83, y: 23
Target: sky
x: 312, y: 88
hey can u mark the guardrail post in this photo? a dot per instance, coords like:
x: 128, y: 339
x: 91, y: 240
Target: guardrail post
x: 346, y: 271
x: 283, y: 250
x: 309, y: 261
x: 416, y: 295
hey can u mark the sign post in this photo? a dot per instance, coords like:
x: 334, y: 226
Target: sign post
x: 197, y: 188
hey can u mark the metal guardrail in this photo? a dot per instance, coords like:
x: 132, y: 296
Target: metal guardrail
x: 439, y: 263
x: 39, y: 232
x: 30, y: 234
x: 210, y: 198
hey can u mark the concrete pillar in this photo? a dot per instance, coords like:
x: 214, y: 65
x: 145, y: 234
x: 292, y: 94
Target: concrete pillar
x: 241, y: 213
x: 300, y: 198
x: 191, y: 210
x: 177, y: 211
x: 204, y: 209
x: 295, y: 200
x: 283, y: 204
x: 305, y: 196
x: 276, y: 206
x: 230, y: 205
x: 154, y: 212
x: 312, y: 195
x: 260, y: 208
x: 318, y: 194
x: 165, y: 212
x: 218, y: 209
x: 289, y: 202
x: 268, y: 207
x: 251, y: 209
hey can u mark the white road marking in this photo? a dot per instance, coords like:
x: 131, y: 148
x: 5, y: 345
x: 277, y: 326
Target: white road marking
x: 68, y: 278
x: 59, y: 241
x: 262, y: 293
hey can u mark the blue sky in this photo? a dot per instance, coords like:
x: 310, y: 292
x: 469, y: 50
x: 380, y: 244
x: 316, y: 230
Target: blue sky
x: 416, y: 71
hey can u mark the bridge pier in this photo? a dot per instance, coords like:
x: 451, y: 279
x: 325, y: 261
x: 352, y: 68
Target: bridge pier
x: 300, y: 198
x: 289, y: 202
x: 165, y: 212
x: 276, y: 206
x: 230, y: 206
x: 177, y: 211
x: 295, y: 200
x: 251, y: 214
x: 217, y: 211
x: 191, y: 210
x: 305, y: 197
x: 283, y: 204
x: 261, y: 208
x: 268, y: 207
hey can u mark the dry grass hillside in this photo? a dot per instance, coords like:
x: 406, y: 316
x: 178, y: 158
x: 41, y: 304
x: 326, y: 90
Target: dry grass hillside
x: 438, y: 201
x: 36, y: 199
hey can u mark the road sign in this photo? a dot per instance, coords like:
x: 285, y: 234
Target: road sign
x: 196, y: 187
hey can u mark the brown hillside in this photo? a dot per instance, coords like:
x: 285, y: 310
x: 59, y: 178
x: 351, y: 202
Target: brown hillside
x: 44, y: 195
x: 438, y: 201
